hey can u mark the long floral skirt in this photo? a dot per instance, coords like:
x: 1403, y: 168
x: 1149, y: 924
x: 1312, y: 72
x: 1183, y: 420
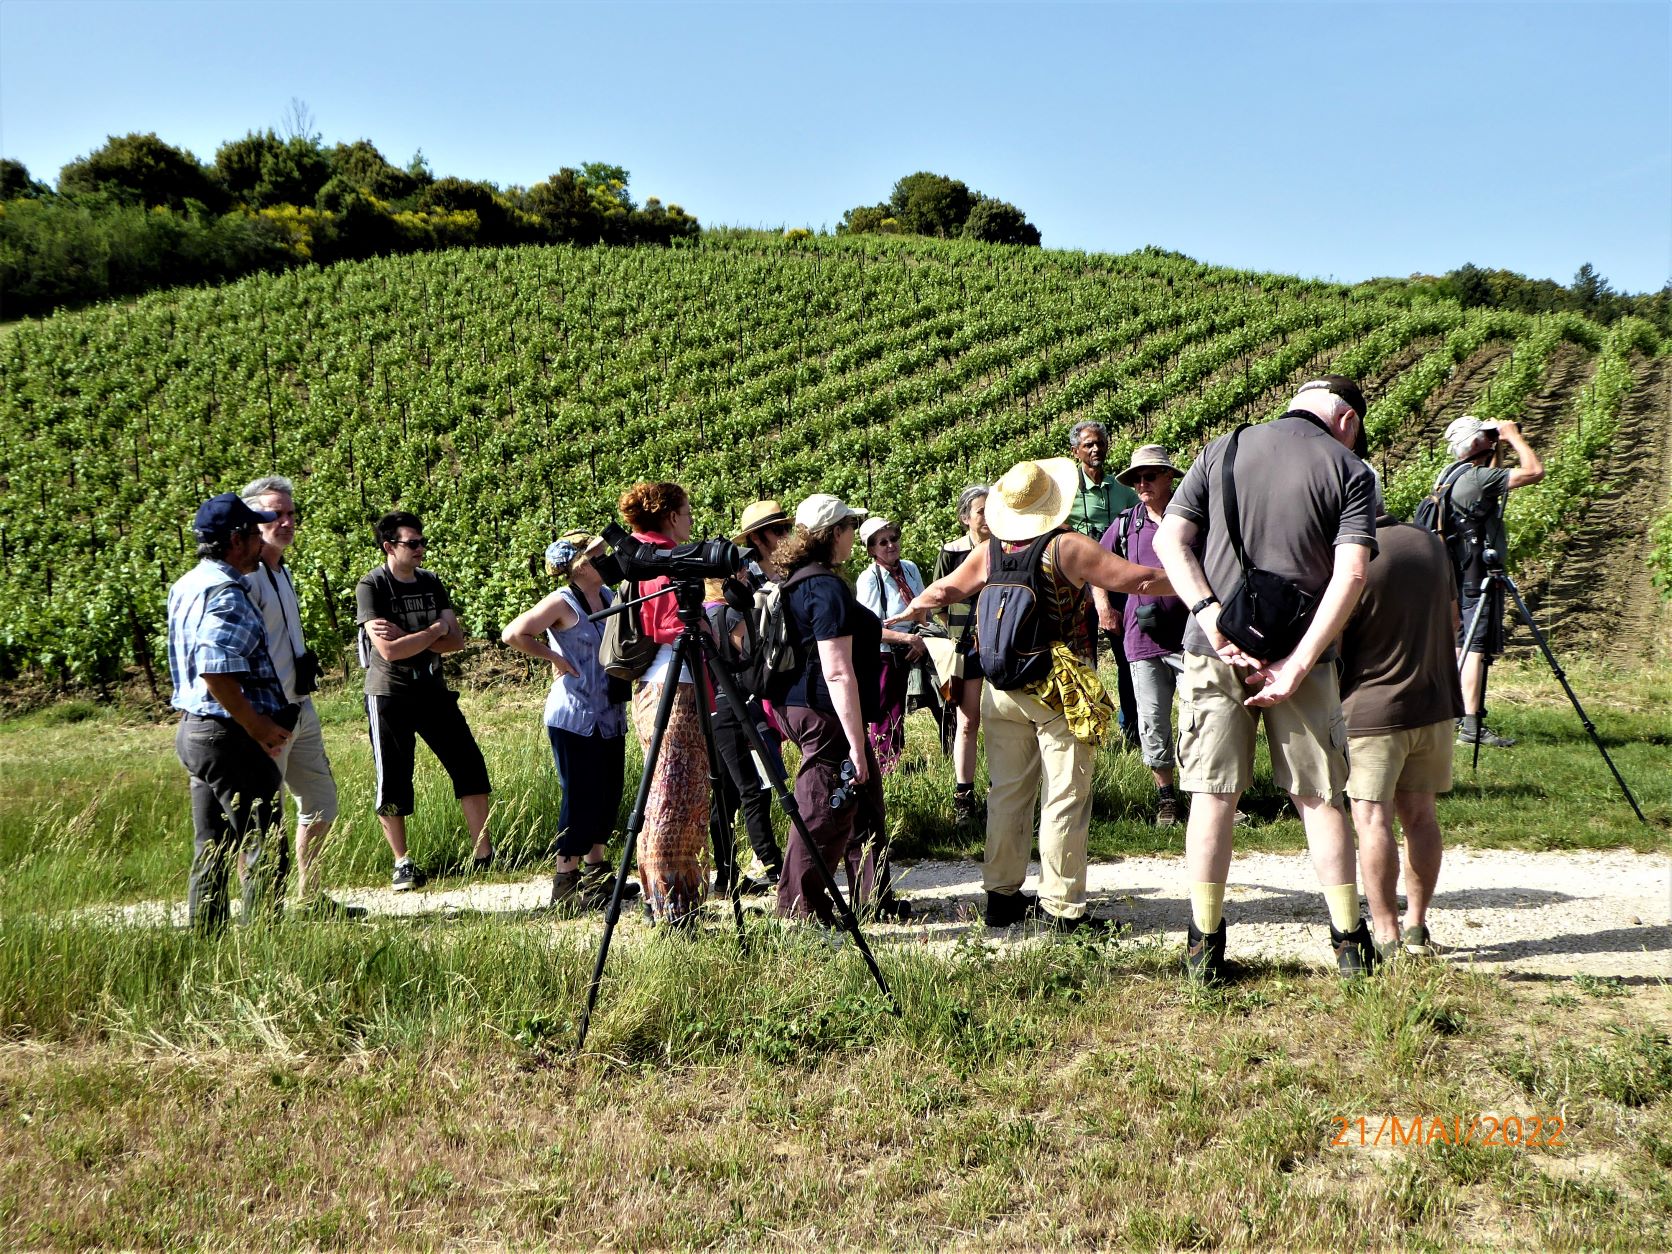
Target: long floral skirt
x: 676, y: 814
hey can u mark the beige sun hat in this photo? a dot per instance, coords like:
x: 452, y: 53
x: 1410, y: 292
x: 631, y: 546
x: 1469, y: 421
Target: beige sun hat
x: 1032, y: 498
x: 758, y: 515
x: 824, y: 510
x: 869, y: 528
x: 1147, y: 457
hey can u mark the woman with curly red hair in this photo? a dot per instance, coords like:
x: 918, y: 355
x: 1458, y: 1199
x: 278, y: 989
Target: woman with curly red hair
x: 676, y: 813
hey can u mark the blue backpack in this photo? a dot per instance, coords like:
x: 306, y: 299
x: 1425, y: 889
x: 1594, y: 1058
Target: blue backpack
x: 1012, y: 631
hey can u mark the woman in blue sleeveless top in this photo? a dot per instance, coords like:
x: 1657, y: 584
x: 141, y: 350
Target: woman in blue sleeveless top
x: 585, y: 721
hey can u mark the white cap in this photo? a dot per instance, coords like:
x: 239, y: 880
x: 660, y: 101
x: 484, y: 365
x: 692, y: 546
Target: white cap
x: 1462, y: 433
x: 870, y: 527
x: 823, y: 510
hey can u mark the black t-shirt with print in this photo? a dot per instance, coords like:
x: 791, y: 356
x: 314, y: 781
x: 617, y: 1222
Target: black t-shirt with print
x: 411, y: 607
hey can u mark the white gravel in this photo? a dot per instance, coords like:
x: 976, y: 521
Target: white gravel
x: 1519, y: 914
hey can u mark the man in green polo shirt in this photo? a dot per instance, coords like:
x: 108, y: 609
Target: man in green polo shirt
x: 1097, y: 500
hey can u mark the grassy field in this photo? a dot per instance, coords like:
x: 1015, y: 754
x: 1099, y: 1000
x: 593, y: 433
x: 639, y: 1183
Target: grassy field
x: 413, y: 1083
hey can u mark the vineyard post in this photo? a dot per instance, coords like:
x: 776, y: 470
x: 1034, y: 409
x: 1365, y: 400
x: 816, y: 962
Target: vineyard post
x: 331, y: 609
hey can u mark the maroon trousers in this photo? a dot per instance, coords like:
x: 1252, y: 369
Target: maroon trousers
x: 847, y: 837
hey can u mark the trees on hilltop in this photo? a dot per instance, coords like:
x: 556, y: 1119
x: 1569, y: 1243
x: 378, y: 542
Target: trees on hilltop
x: 946, y: 208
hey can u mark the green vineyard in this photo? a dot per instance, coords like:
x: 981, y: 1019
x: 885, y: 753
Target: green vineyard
x: 508, y: 395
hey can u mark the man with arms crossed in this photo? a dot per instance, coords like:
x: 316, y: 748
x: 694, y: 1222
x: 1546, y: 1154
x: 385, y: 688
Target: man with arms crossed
x: 407, y: 623
x: 235, y: 715
x: 1401, y: 697
x: 1308, y: 512
x: 303, y: 763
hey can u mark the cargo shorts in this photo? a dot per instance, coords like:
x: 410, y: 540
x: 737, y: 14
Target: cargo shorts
x: 1307, y: 734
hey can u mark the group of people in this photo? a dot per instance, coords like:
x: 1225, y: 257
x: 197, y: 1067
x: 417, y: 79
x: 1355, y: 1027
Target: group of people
x: 1362, y: 707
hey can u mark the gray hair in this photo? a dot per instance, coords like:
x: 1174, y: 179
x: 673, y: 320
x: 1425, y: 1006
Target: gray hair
x: 1080, y: 428
x: 967, y: 499
x: 258, y: 488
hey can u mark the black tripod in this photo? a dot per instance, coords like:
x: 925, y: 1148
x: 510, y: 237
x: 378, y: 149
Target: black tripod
x: 1489, y: 617
x: 696, y: 650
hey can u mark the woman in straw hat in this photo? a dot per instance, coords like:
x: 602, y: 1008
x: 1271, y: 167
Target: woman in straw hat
x: 1050, y: 727
x: 584, y: 720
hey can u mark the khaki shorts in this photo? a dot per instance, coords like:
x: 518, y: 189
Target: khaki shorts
x: 1307, y: 734
x: 1416, y: 760
x: 307, y: 771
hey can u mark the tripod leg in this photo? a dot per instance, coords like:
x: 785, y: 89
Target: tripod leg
x: 1561, y: 678
x: 718, y: 836
x: 1469, y: 638
x: 635, y: 823
x: 798, y: 826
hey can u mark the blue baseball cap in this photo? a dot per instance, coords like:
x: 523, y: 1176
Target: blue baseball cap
x: 220, y: 515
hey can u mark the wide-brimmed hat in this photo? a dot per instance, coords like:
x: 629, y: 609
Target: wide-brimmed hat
x: 869, y: 528
x: 1032, y: 498
x: 760, y: 514
x: 823, y: 510
x: 1147, y: 457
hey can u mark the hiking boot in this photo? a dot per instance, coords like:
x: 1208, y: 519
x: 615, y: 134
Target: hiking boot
x: 1473, y: 731
x: 566, y: 891
x: 597, y: 883
x: 1204, y: 954
x: 1417, y: 942
x: 1387, y: 951
x: 1084, y: 926
x: 754, y: 886
x: 1355, y: 952
x: 1167, y: 812
x: 407, y: 876
x: 1008, y: 909
x: 966, y: 810
x: 892, y: 909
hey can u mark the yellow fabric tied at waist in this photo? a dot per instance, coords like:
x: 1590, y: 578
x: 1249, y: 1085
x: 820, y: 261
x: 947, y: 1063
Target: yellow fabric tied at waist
x: 1074, y: 691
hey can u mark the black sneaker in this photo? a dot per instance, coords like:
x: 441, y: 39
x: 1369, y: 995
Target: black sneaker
x: 1204, y: 954
x: 892, y: 909
x: 323, y: 909
x: 407, y: 876
x: 1355, y: 952
x: 1007, y: 909
x: 482, y: 863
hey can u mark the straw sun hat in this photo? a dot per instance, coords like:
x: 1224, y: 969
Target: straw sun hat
x: 1032, y: 498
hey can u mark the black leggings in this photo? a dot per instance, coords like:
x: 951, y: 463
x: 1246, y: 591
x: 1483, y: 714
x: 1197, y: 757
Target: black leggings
x: 740, y: 786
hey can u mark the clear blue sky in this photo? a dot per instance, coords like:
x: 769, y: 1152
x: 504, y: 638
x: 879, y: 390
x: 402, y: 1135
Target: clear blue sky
x: 1346, y: 140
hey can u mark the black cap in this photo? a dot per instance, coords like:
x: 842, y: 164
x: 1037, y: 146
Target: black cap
x: 220, y: 515
x: 1348, y: 390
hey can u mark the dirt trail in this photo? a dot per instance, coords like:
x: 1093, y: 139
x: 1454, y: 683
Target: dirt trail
x: 1527, y: 915
x: 1450, y: 400
x: 1596, y: 595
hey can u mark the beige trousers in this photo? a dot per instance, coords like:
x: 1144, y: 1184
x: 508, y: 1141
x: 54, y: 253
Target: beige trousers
x: 1032, y: 756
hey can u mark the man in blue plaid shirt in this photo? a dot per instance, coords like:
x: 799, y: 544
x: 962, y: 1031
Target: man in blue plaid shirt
x: 236, y: 719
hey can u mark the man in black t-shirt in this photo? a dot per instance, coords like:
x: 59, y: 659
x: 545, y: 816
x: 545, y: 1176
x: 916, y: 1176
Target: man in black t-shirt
x: 406, y: 623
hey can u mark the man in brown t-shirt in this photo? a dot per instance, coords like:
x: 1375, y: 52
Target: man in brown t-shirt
x: 1401, y: 697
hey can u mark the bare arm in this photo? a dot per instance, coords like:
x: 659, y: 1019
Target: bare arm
x: 1084, y: 560
x: 1173, y: 541
x: 526, y: 633
x: 393, y: 644
x: 960, y: 585
x: 1531, y: 469
x: 229, y: 692
x: 836, y: 659
x: 1279, y: 680
x: 451, y: 639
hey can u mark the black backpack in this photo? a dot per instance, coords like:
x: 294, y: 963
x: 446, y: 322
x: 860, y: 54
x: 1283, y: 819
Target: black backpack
x: 1461, y: 529
x: 1012, y: 630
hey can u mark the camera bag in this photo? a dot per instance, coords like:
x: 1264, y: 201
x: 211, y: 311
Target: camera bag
x: 626, y: 649
x: 1266, y: 614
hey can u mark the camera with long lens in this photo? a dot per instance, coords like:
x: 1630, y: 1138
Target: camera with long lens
x: 696, y: 560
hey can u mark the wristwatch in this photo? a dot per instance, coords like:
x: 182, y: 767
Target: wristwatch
x: 1201, y: 605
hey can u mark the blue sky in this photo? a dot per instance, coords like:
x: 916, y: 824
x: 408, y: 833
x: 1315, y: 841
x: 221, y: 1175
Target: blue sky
x: 1345, y: 140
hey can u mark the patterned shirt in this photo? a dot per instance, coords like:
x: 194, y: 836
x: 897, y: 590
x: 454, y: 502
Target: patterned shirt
x: 213, y: 629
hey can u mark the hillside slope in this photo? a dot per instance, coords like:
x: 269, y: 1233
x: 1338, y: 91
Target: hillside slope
x: 508, y: 395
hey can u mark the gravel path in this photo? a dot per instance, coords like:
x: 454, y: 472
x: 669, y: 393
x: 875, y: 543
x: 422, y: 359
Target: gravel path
x: 1522, y: 914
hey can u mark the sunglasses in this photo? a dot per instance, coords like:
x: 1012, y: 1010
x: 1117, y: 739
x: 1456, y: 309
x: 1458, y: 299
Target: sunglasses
x: 411, y: 544
x: 1150, y: 476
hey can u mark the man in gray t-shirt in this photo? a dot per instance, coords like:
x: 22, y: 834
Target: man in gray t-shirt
x: 1306, y: 502
x: 1480, y: 490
